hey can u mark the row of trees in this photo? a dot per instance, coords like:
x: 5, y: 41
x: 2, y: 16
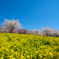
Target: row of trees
x: 12, y: 26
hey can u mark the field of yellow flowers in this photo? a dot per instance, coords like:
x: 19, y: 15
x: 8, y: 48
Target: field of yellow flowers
x: 24, y: 46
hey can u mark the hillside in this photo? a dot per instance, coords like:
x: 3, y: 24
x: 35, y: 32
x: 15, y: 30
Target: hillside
x: 13, y: 45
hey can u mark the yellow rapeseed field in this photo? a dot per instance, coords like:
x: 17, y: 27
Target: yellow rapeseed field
x: 24, y: 46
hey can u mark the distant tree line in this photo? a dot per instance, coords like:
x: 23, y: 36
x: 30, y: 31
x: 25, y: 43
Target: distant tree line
x: 12, y: 26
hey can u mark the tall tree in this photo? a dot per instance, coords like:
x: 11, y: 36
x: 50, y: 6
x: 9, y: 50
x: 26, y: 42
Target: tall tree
x: 11, y: 25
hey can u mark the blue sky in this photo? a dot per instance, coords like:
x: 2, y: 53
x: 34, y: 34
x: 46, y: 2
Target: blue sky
x: 32, y: 14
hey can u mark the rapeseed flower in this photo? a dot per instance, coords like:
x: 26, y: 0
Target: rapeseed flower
x: 47, y: 50
x: 40, y: 55
x: 10, y: 56
x: 50, y: 54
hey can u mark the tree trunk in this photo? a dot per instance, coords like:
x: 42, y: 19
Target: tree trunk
x: 11, y: 31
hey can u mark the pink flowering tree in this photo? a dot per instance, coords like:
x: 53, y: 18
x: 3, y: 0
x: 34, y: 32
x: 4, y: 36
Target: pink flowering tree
x: 22, y: 31
x: 11, y: 30
x: 11, y: 25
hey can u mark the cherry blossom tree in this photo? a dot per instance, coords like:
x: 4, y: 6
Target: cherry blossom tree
x: 50, y: 32
x: 22, y: 31
x: 11, y: 25
x: 37, y: 32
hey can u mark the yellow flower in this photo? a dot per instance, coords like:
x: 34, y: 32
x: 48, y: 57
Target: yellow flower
x: 36, y: 52
x: 2, y: 57
x: 40, y: 55
x: 55, y: 39
x: 44, y: 54
x: 7, y: 49
x: 21, y: 56
x: 50, y: 54
x: 31, y: 56
x: 44, y: 58
x: 22, y: 51
x: 0, y: 50
x: 16, y: 53
x: 27, y: 56
x: 11, y: 50
x: 10, y: 56
x: 13, y: 58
